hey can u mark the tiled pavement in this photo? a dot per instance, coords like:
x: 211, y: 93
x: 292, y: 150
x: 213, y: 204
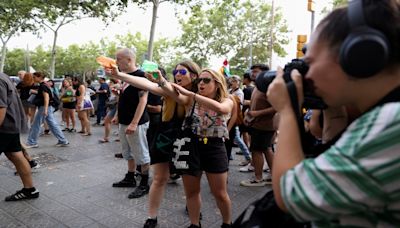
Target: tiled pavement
x: 75, y: 190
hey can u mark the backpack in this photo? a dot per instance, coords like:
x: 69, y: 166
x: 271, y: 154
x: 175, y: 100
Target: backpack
x: 55, y: 101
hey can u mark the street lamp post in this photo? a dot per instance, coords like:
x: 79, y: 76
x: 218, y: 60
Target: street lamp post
x: 271, y: 34
x: 311, y: 8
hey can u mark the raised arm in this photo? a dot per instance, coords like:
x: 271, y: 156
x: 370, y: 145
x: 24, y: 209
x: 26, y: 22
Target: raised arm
x: 136, y: 81
x: 223, y: 107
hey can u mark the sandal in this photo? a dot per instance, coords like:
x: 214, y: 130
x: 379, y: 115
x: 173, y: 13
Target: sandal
x: 66, y: 129
x: 81, y: 132
x: 103, y: 141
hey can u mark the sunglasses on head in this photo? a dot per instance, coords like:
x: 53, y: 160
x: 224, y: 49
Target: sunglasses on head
x: 205, y: 80
x: 181, y: 72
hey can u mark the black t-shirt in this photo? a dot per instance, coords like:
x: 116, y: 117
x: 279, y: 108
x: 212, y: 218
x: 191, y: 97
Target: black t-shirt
x: 40, y: 99
x: 128, y: 102
x: 24, y: 91
x: 154, y: 100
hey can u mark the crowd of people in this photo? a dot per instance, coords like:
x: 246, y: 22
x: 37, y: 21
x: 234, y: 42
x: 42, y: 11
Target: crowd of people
x: 351, y: 180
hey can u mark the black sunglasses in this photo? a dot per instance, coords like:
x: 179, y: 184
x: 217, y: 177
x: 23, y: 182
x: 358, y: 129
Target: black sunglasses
x: 205, y: 80
x: 181, y: 72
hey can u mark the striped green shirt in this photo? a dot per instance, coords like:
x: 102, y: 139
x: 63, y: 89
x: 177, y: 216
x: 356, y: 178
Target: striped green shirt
x: 355, y: 183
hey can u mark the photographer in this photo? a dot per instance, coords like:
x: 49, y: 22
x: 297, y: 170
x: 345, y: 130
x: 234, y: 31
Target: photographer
x: 356, y: 181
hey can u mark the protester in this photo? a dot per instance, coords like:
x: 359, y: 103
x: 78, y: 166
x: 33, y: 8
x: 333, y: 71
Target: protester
x: 111, y: 107
x: 185, y: 74
x: 133, y: 123
x: 102, y: 95
x: 12, y: 123
x: 24, y: 88
x: 68, y: 100
x: 45, y: 112
x: 259, y: 119
x: 356, y: 181
x: 83, y: 105
x: 212, y: 109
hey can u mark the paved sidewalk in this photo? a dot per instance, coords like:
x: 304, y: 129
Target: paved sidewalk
x: 75, y: 190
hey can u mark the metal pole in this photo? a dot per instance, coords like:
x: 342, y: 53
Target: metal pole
x: 312, y: 21
x: 271, y: 34
x: 251, y: 38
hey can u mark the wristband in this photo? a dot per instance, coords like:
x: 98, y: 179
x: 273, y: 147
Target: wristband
x: 161, y: 84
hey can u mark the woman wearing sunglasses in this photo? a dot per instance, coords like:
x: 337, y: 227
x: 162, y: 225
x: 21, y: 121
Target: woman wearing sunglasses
x: 185, y: 75
x: 212, y: 109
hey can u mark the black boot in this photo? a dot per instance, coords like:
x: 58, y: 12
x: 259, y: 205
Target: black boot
x: 128, y: 181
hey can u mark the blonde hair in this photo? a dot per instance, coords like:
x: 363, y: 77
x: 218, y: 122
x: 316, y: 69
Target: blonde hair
x: 222, y: 91
x: 69, y: 81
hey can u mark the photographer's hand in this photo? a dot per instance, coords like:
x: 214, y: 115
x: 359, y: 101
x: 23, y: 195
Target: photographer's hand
x: 289, y: 152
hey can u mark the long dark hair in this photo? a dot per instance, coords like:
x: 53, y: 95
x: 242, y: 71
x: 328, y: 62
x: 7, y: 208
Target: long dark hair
x: 194, y: 71
x: 78, y: 80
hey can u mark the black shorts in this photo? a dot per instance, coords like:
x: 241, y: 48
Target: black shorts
x: 260, y: 140
x: 10, y: 143
x: 161, y: 142
x: 244, y: 128
x: 212, y: 157
x: 69, y: 105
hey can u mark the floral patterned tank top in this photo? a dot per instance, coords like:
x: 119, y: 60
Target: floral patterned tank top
x: 209, y: 123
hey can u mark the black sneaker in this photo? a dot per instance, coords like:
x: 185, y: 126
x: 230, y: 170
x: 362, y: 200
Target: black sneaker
x: 125, y: 183
x: 195, y: 226
x: 150, y: 223
x: 225, y: 225
x: 34, y: 164
x: 118, y: 156
x: 22, y: 195
x: 139, y: 192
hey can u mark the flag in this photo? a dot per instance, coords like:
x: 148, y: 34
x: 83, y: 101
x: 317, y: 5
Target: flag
x: 225, y: 68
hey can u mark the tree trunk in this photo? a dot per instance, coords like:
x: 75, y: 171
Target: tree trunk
x: 3, y: 57
x: 53, y: 56
x: 150, y: 47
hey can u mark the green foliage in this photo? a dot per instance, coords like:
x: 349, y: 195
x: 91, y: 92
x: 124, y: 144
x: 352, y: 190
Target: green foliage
x: 81, y: 59
x: 15, y: 61
x: 227, y: 28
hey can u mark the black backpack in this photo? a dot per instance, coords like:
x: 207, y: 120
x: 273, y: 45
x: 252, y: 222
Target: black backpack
x: 55, y: 101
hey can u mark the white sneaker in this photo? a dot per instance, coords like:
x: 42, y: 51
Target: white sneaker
x: 267, y: 178
x: 27, y: 146
x: 253, y: 183
x: 247, y: 168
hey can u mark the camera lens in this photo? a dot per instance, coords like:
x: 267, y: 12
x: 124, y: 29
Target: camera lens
x: 264, y: 79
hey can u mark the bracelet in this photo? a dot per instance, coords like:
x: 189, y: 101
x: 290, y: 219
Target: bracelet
x: 161, y: 84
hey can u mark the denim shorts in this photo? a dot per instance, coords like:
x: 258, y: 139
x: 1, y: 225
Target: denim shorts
x: 111, y: 112
x: 10, y: 143
x: 134, y: 146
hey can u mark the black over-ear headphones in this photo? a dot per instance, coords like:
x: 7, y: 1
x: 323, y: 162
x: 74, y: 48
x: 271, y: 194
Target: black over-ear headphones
x: 365, y: 51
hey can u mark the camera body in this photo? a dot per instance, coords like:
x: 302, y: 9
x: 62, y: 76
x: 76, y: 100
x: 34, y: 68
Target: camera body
x: 311, y: 101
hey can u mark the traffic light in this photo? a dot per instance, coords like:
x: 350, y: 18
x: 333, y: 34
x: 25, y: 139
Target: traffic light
x: 310, y: 6
x: 301, y: 41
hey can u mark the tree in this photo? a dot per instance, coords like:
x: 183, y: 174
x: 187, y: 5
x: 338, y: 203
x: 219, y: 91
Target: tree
x: 156, y: 5
x: 225, y: 28
x: 54, y: 14
x: 14, y: 18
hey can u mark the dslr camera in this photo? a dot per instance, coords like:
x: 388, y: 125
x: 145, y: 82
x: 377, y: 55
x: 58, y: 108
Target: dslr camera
x: 311, y: 101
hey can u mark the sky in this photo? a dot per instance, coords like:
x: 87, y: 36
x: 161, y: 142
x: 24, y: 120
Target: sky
x: 139, y: 20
